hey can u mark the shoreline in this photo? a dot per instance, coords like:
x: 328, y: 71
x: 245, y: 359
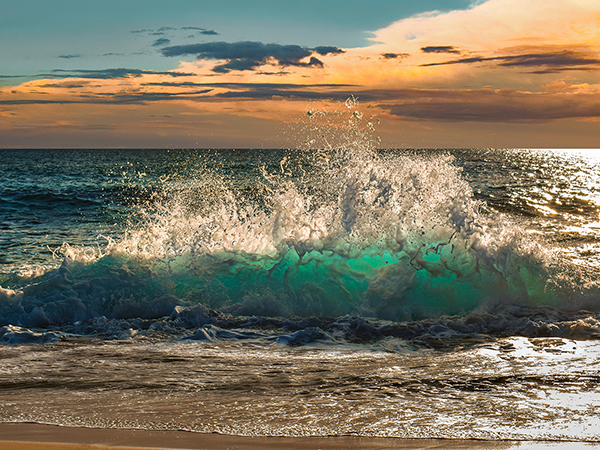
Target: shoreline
x: 33, y: 436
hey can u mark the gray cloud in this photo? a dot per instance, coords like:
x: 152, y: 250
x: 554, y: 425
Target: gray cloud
x: 439, y: 49
x: 201, y: 30
x: 69, y: 56
x: 230, y: 85
x: 328, y: 50
x: 267, y: 91
x: 161, y: 31
x: 108, y: 73
x: 37, y: 102
x: 66, y: 85
x: 161, y: 42
x: 128, y: 98
x: 145, y: 97
x: 565, y: 59
x: 552, y: 62
x: 394, y: 55
x: 249, y: 55
x: 487, y: 105
x: 148, y: 97
x: 272, y: 93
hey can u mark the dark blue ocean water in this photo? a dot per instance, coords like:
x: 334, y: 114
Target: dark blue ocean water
x: 407, y: 293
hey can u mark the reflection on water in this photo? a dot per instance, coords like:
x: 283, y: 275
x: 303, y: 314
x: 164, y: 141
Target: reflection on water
x: 554, y: 192
x: 513, y: 388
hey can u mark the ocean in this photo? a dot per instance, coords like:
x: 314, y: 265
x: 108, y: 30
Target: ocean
x: 330, y: 290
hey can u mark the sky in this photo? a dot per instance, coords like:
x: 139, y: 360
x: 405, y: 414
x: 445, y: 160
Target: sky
x: 248, y: 74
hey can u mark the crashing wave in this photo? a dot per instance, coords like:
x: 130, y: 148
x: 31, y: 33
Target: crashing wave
x: 338, y: 229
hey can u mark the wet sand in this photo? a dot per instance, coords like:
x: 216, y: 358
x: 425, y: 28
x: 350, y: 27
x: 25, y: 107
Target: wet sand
x: 28, y: 436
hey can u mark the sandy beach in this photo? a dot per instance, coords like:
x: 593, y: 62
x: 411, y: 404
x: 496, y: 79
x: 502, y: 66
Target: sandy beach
x: 28, y: 436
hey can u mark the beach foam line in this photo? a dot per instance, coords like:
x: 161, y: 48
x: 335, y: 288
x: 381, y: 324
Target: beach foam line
x: 31, y: 436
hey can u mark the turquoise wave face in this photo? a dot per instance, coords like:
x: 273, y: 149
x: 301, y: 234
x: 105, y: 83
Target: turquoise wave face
x: 442, y: 277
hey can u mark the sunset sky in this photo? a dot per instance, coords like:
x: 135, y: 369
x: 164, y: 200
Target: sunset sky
x: 241, y: 74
